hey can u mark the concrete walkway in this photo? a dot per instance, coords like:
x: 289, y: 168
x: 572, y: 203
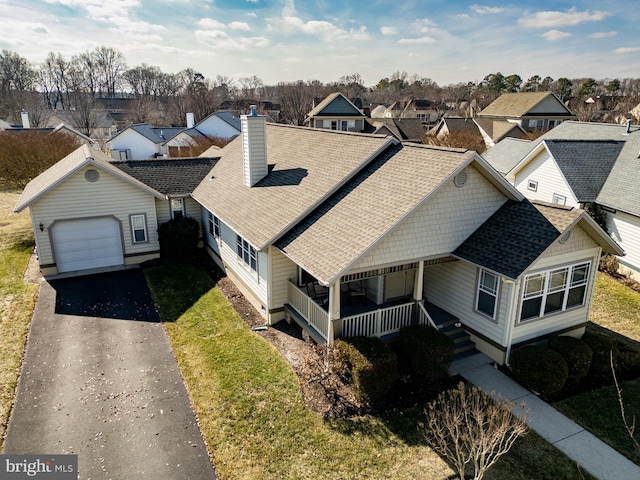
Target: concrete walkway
x: 593, y: 455
x: 99, y: 380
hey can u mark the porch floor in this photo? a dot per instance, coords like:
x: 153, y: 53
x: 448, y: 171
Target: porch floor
x: 439, y: 316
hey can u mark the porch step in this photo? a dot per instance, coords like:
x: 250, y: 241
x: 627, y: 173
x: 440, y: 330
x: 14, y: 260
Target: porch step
x: 461, y: 339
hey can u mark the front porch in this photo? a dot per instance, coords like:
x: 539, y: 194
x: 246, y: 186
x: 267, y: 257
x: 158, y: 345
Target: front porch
x: 352, y: 317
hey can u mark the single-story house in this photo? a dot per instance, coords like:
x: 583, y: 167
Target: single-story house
x: 579, y: 163
x: 90, y: 213
x: 354, y: 234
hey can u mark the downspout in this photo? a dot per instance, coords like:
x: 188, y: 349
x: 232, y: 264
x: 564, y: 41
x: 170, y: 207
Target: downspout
x: 510, y: 318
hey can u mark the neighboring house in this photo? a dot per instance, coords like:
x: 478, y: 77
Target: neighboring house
x: 355, y: 234
x: 103, y: 125
x: 425, y: 110
x: 489, y: 130
x: 183, y: 140
x: 4, y: 125
x: 141, y: 141
x: 89, y: 212
x: 219, y: 125
x: 407, y: 129
x: 581, y: 163
x: 530, y: 110
x: 336, y: 112
x: 17, y: 130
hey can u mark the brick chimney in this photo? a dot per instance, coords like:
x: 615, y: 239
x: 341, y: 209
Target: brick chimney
x: 254, y: 147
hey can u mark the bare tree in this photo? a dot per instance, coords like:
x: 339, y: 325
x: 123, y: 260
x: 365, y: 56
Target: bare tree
x: 629, y: 424
x: 469, y: 428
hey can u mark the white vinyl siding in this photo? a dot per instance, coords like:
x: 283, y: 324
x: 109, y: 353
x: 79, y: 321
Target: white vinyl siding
x: 109, y: 196
x: 282, y: 269
x: 140, y: 146
x: 543, y: 170
x: 438, y: 226
x: 625, y: 229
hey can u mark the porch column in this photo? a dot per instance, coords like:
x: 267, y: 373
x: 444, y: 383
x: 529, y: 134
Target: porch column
x: 334, y: 308
x: 418, y: 284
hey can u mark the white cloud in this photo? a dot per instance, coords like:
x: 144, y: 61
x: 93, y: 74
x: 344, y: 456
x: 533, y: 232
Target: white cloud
x: 388, y: 30
x: 326, y: 30
x: 484, y: 10
x: 252, y: 15
x: 622, y: 50
x: 240, y: 26
x: 554, y: 35
x: 561, y: 19
x: 210, y: 23
x: 613, y: 33
x: 220, y: 39
x: 414, y: 41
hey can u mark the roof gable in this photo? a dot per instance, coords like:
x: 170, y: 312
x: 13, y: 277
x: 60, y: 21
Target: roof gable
x: 335, y: 105
x: 223, y: 116
x: 70, y: 164
x: 518, y: 105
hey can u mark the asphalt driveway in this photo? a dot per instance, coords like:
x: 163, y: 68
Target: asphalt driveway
x: 99, y: 380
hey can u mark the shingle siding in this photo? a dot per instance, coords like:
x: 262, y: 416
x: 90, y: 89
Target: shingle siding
x: 440, y: 225
x: 625, y: 229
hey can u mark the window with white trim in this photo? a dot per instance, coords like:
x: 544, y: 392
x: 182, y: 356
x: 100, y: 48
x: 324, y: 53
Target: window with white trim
x: 559, y: 199
x: 532, y: 185
x: 177, y: 208
x: 487, y: 293
x: 138, y: 228
x: 247, y: 253
x: 214, y: 225
x: 554, y: 291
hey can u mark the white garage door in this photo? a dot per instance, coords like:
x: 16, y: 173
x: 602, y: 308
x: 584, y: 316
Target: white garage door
x: 88, y: 243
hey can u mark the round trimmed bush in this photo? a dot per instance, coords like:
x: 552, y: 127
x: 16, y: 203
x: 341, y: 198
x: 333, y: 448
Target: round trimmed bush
x: 368, y: 364
x: 427, y: 351
x: 576, y: 353
x: 603, y: 347
x: 540, y: 368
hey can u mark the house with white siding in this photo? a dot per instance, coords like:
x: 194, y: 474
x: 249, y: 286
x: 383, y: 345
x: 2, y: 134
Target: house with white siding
x: 89, y: 213
x: 141, y: 141
x: 579, y: 164
x: 336, y: 112
x: 352, y: 234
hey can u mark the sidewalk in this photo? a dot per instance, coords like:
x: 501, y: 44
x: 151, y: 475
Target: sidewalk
x: 593, y: 455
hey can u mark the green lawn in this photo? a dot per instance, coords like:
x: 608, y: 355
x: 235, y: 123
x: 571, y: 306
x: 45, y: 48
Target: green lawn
x: 255, y: 422
x: 17, y: 299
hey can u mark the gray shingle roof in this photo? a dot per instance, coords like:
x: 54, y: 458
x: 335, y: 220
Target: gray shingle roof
x: 335, y: 104
x: 73, y: 162
x: 516, y: 105
x: 155, y: 134
x: 507, y: 153
x: 178, y: 176
x: 307, y: 166
x: 369, y: 206
x: 585, y: 164
x: 515, y: 236
x: 620, y: 190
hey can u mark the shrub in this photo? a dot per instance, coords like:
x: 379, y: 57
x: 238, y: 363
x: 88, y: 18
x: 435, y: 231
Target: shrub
x: 368, y: 364
x: 602, y: 347
x: 540, y: 368
x: 609, y: 264
x: 178, y: 238
x: 467, y: 427
x: 427, y: 351
x: 576, y: 353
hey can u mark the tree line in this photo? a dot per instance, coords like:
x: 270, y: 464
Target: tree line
x: 75, y: 83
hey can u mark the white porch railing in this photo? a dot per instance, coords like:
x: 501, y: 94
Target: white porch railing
x: 313, y: 313
x: 423, y: 316
x: 378, y: 323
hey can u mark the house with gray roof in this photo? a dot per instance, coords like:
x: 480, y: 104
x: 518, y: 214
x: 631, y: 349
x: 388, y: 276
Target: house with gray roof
x: 489, y: 131
x: 142, y: 140
x: 580, y: 163
x: 336, y: 112
x: 91, y: 213
x: 353, y: 234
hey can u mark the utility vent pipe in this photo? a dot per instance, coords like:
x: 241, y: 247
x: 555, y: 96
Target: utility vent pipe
x: 628, y: 127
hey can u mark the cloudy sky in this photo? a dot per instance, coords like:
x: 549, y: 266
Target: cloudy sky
x: 286, y: 40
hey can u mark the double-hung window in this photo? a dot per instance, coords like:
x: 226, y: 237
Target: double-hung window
x: 554, y: 291
x: 487, y: 293
x: 138, y: 228
x: 214, y: 225
x: 247, y: 253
